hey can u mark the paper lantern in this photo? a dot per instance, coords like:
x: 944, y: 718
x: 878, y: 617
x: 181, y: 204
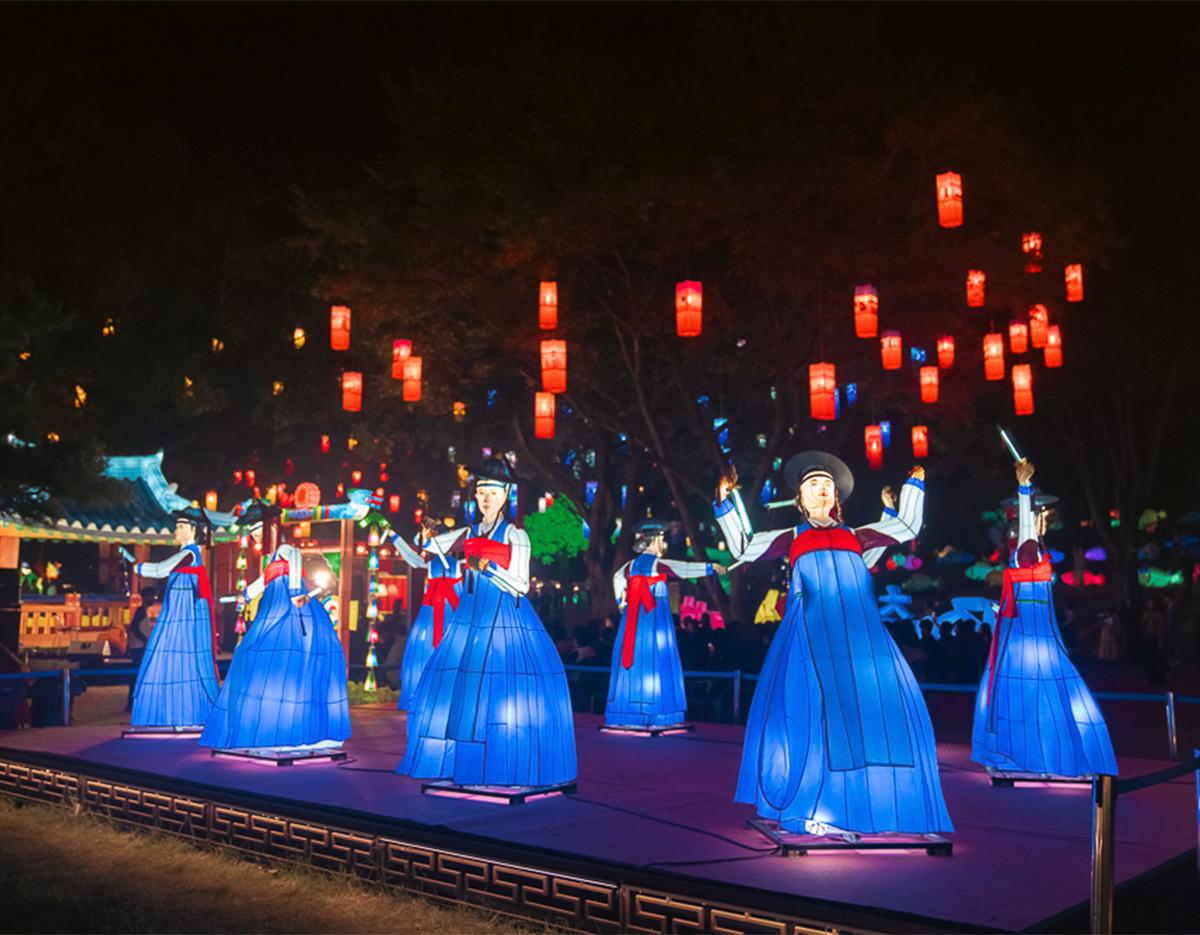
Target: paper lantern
x: 950, y: 199
x: 1039, y: 321
x: 1053, y: 350
x: 689, y: 308
x: 1022, y: 380
x: 1074, y: 278
x: 1018, y: 336
x: 210, y: 500
x: 822, y: 391
x: 945, y: 351
x: 356, y: 477
x: 307, y: 496
x: 929, y: 384
x: 866, y: 311
x: 339, y: 328
x: 543, y: 415
x: 554, y: 366
x: 891, y: 349
x: 250, y: 477
x: 993, y: 356
x: 873, y: 438
x: 325, y: 444
x: 237, y: 478
x: 394, y: 503
x: 1031, y: 246
x: 411, y: 375
x: 920, y: 441
x: 548, y: 306
x: 352, y: 391
x: 299, y: 338
x: 401, y: 351
x: 459, y: 411
x: 976, y: 281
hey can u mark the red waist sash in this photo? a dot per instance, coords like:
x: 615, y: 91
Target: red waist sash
x: 274, y: 570
x: 1008, y: 608
x: 499, y: 553
x: 639, y: 597
x: 438, y: 593
x: 818, y: 540
x: 204, y: 589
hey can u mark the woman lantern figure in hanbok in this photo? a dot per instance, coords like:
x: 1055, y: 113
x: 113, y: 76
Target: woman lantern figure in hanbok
x: 177, y: 681
x: 838, y: 740
x: 286, y: 686
x: 646, y: 686
x: 1033, y: 713
x: 442, y: 589
x: 492, y: 708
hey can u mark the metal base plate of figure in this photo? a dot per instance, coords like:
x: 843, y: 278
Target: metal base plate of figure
x: 497, y: 795
x: 1005, y: 778
x: 666, y: 730
x: 796, y: 844
x: 168, y: 732
x: 284, y: 756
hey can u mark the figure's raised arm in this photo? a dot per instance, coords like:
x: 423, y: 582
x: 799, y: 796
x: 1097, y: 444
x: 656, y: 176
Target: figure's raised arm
x: 1028, y: 548
x: 896, y: 525
x: 620, y: 582
x: 410, y: 556
x: 745, y: 545
x: 163, y: 568
x: 689, y: 569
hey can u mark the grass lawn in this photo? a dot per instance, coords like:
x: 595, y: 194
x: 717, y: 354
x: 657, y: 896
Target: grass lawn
x: 64, y: 872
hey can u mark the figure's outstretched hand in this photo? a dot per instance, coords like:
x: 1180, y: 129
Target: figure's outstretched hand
x: 918, y: 472
x: 300, y: 600
x: 726, y: 484
x: 888, y: 497
x: 1025, y: 471
x: 719, y: 569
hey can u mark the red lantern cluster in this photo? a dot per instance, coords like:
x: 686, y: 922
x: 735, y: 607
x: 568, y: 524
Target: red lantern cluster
x: 411, y: 375
x: 1073, y: 275
x: 543, y: 415
x: 554, y: 366
x: 1039, y: 322
x: 873, y: 440
x: 352, y: 391
x: 1018, y: 336
x: 976, y: 282
x: 1053, y: 349
x: 929, y: 384
x: 920, y: 441
x: 401, y: 351
x: 1031, y: 246
x: 891, y: 350
x: 945, y: 351
x: 339, y: 328
x: 866, y: 311
x: 993, y: 356
x: 822, y: 389
x: 950, y: 199
x: 548, y: 306
x: 1022, y: 380
x: 689, y: 308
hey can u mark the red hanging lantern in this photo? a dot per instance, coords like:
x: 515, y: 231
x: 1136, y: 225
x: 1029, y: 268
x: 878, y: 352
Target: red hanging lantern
x: 929, y: 384
x: 394, y: 503
x: 866, y: 311
x: 1053, y: 351
x: 325, y: 443
x: 237, y: 478
x: 950, y: 199
x: 1022, y: 380
x: 976, y: 281
x: 418, y: 515
x: 352, y: 391
x: 401, y: 351
x: 891, y: 349
x: 689, y: 308
x: 945, y: 351
x: 356, y: 477
x: 920, y: 441
x: 1018, y: 336
x: 307, y: 496
x: 822, y: 391
x: 1031, y: 246
x: 554, y: 366
x: 250, y: 476
x: 873, y: 437
x: 411, y: 387
x: 1039, y: 322
x: 340, y: 490
x: 1074, y: 277
x: 548, y: 306
x: 339, y: 328
x: 543, y: 415
x: 993, y: 356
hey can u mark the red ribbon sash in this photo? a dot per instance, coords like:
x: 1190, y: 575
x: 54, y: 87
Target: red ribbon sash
x: 818, y: 540
x: 204, y: 589
x: 274, y: 570
x: 1008, y: 608
x: 438, y: 593
x: 639, y: 597
x: 499, y: 553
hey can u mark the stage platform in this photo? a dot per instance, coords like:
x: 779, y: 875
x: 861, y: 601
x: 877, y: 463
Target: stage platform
x: 651, y: 841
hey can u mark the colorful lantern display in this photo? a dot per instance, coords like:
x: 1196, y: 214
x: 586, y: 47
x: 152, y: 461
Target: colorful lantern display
x: 411, y: 387
x: 1074, y: 279
x: 929, y: 384
x: 401, y: 351
x: 873, y: 438
x: 325, y: 444
x: 1053, y: 350
x: 866, y: 311
x: 822, y: 391
x: 307, y: 496
x: 891, y: 350
x: 554, y: 366
x: 1022, y: 380
x: 945, y: 351
x: 210, y: 501
x: 920, y: 441
x: 548, y: 306
x: 950, y: 199
x: 352, y: 391
x: 1031, y: 246
x: 543, y: 415
x: 689, y: 308
x: 339, y: 328
x: 1039, y: 321
x: 1018, y: 336
x: 993, y: 356
x: 976, y: 281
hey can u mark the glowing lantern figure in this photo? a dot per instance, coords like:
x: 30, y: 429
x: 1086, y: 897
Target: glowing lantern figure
x: 891, y: 350
x: 993, y: 356
x: 950, y: 199
x: 866, y: 311
x: 945, y: 351
x: 352, y: 391
x: 1022, y: 380
x: 543, y: 415
x: 412, y: 380
x: 1031, y: 246
x: 1039, y: 322
x: 1018, y: 336
x: 548, y: 306
x: 920, y: 441
x: 554, y: 366
x: 1074, y: 278
x: 325, y: 444
x: 401, y: 351
x: 339, y: 328
x: 1053, y: 350
x: 976, y: 282
x: 822, y: 389
x: 210, y: 500
x: 873, y: 438
x: 689, y: 308
x: 929, y: 384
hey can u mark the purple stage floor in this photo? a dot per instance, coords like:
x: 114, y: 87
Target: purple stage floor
x: 1021, y: 855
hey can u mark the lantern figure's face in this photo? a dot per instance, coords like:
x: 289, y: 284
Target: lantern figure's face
x: 818, y: 496
x: 490, y: 499
x: 185, y: 533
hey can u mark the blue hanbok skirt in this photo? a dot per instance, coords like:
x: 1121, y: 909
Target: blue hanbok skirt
x: 417, y: 653
x: 650, y: 692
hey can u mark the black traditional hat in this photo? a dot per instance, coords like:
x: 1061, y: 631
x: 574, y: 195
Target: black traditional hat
x: 496, y: 470
x: 799, y: 466
x: 259, y: 511
x: 1040, y: 500
x: 193, y: 515
x: 651, y: 527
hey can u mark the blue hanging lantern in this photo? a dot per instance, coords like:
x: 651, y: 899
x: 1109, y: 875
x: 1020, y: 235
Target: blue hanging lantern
x: 851, y: 394
x: 917, y: 354
x: 590, y: 492
x: 885, y: 430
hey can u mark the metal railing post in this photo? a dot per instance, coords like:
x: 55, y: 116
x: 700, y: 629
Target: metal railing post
x: 737, y: 695
x: 1104, y: 801
x: 1172, y: 737
x: 66, y: 697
